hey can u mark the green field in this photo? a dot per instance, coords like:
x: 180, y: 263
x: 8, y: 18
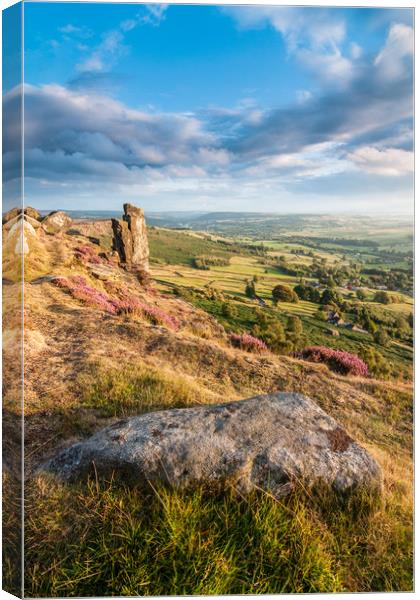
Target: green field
x: 172, y: 259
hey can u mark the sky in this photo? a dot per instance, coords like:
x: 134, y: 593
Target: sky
x: 248, y: 108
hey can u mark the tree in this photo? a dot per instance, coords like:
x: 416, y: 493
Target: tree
x: 294, y: 325
x: 321, y: 314
x: 271, y: 331
x: 307, y: 292
x: 377, y: 364
x: 361, y: 294
x: 330, y: 296
x: 250, y: 289
x: 382, y: 338
x: 282, y: 293
x: 382, y: 297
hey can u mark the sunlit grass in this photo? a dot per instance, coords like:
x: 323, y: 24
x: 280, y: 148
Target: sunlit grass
x: 101, y: 539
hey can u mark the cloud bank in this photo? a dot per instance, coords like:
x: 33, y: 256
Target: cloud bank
x: 81, y: 142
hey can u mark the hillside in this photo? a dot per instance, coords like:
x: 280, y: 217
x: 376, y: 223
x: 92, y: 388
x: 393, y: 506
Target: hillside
x: 86, y: 367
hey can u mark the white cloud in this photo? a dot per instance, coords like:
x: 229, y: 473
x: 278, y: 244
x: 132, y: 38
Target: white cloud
x: 312, y: 26
x: 355, y: 50
x: 399, y: 47
x: 112, y: 46
x: 391, y: 162
x: 312, y: 35
x: 331, y: 66
x: 73, y: 134
x: 303, y: 96
x: 106, y: 53
x: 69, y: 29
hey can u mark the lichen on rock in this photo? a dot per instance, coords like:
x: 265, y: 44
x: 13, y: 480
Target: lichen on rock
x: 276, y: 442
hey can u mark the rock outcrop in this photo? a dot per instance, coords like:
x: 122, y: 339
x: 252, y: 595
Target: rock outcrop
x: 12, y: 222
x: 16, y: 232
x: 276, y: 442
x: 32, y: 213
x: 56, y: 221
x: 14, y: 213
x: 130, y: 238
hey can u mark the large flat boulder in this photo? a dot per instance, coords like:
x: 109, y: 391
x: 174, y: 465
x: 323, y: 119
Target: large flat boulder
x: 277, y: 442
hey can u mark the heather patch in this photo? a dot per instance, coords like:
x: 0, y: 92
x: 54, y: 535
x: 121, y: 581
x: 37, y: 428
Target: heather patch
x: 248, y: 342
x: 160, y: 317
x: 88, y: 255
x: 125, y: 304
x: 90, y: 296
x: 337, y: 360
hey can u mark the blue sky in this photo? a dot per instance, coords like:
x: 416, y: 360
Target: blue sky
x: 218, y: 108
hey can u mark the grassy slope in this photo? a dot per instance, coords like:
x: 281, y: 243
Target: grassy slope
x: 103, y: 539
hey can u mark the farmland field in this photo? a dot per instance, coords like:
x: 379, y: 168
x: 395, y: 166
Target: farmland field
x: 373, y: 260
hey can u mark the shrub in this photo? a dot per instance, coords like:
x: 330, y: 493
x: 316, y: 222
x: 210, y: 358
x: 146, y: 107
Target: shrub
x: 229, y: 310
x: 307, y: 292
x: 382, y: 297
x: 294, y: 325
x: 247, y: 342
x: 142, y: 276
x: 339, y: 361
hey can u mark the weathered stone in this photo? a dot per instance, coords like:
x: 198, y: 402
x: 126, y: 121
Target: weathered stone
x: 56, y: 221
x: 137, y: 225
x: 103, y: 272
x: 277, y: 442
x: 122, y: 241
x: 32, y: 213
x: 17, y: 236
x: 33, y: 222
x: 11, y: 214
x: 130, y: 237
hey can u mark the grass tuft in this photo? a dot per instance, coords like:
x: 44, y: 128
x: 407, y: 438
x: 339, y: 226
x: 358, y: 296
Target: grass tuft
x: 136, y: 389
x: 113, y: 540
